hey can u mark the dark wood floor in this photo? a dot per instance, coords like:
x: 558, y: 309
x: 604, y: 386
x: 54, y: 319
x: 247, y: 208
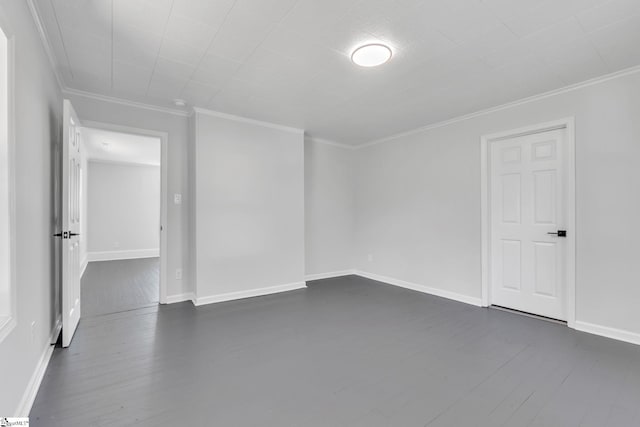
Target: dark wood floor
x: 344, y: 352
x: 114, y: 286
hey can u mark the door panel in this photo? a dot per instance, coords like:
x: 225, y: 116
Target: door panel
x: 544, y: 198
x: 70, y: 223
x: 511, y: 188
x: 526, y: 204
x: 511, y: 268
x: 545, y: 257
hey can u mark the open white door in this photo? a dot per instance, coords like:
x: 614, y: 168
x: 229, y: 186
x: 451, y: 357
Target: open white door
x: 70, y: 223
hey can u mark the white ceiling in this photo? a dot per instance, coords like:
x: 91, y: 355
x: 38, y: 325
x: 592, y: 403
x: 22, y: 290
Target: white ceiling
x: 120, y: 147
x: 287, y: 61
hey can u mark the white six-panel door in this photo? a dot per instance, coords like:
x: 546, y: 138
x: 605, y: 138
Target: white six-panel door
x: 526, y: 205
x: 71, y: 174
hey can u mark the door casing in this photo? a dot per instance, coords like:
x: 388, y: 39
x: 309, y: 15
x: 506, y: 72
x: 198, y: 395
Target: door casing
x: 570, y: 182
x: 164, y: 137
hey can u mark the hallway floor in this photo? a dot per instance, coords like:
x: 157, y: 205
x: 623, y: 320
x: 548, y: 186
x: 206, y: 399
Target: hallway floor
x: 343, y: 352
x: 114, y: 286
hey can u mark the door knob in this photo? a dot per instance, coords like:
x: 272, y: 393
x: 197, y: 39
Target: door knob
x: 560, y: 233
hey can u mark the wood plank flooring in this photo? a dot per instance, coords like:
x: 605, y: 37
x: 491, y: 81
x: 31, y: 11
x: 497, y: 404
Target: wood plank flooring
x: 343, y: 352
x: 113, y: 286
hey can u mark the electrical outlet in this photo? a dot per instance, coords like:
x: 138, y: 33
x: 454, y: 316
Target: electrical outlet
x: 177, y: 199
x: 370, y: 257
x: 178, y: 274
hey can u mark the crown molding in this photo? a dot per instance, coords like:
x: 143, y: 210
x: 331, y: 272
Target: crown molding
x: 331, y: 143
x: 35, y: 14
x: 125, y: 102
x: 534, y: 98
x: 233, y: 117
x: 33, y: 8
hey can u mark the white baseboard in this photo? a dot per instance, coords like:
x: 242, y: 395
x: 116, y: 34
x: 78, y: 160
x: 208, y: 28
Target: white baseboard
x: 320, y: 276
x: 187, y: 296
x: 56, y: 331
x: 421, y: 288
x: 249, y: 294
x: 118, y: 255
x: 605, y: 331
x: 29, y: 395
x: 83, y: 265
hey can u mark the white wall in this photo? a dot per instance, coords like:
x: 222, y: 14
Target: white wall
x: 6, y: 300
x: 38, y: 117
x: 329, y: 208
x: 123, y: 210
x: 418, y: 200
x: 176, y: 127
x: 249, y: 212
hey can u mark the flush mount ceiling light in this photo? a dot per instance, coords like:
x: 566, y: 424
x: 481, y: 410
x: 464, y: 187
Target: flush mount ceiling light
x: 180, y: 102
x: 371, y: 55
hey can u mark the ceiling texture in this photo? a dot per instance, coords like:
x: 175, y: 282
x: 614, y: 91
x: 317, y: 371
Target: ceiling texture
x: 119, y: 147
x: 288, y: 61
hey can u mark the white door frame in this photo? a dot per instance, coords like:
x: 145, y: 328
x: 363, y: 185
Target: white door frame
x: 164, y: 137
x: 570, y: 199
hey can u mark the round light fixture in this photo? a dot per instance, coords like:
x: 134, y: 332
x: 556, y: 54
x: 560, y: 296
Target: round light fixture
x: 180, y: 102
x: 371, y: 55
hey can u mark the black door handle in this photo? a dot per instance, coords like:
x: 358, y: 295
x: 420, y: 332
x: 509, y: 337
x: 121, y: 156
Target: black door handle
x: 560, y: 233
x: 66, y: 234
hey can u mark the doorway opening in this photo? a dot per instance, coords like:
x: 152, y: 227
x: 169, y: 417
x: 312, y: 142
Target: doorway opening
x: 528, y: 220
x: 123, y: 252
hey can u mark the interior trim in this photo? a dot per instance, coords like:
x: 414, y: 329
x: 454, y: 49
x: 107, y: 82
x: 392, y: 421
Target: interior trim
x: 172, y: 299
x: 35, y: 14
x: 117, y: 255
x: 605, y: 331
x: 329, y: 275
x: 231, y: 296
x: 421, y: 288
x: 233, y: 117
x: 29, y: 395
x: 164, y: 186
x: 533, y: 98
x: 83, y: 264
x: 67, y: 91
x: 331, y: 143
x: 594, y: 81
x: 567, y: 123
